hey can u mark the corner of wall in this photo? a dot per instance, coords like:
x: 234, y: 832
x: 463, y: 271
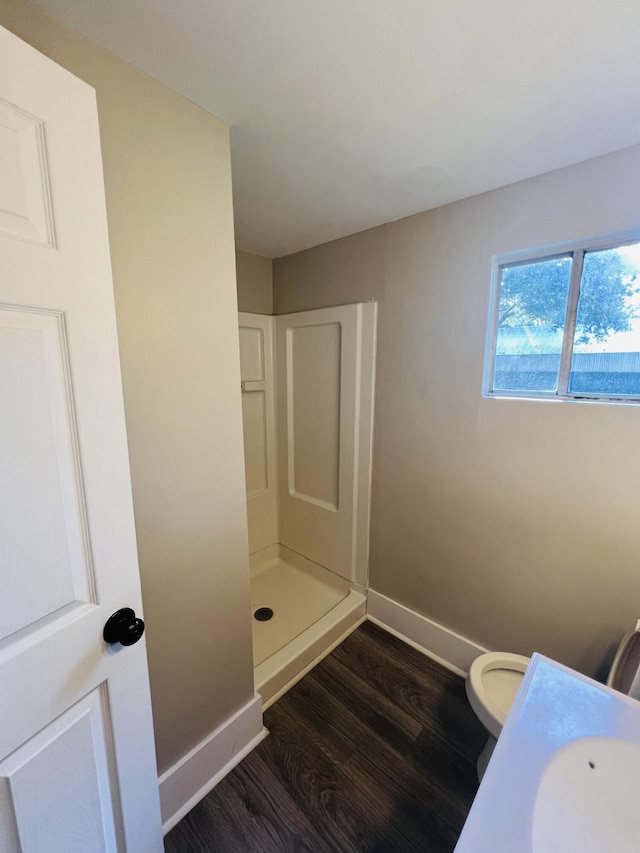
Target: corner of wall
x: 255, y: 283
x: 191, y: 778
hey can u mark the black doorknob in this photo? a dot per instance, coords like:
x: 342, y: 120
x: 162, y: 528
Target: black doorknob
x: 123, y: 627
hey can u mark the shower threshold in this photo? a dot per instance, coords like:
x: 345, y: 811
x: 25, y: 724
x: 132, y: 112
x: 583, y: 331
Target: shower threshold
x: 313, y: 610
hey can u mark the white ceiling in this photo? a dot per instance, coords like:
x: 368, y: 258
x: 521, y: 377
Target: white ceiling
x: 349, y: 113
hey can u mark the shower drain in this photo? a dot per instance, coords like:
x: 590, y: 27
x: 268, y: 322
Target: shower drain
x: 263, y: 614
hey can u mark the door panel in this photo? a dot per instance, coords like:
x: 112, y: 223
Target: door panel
x: 326, y: 369
x: 252, y: 347
x: 313, y: 384
x: 72, y: 708
x: 256, y: 451
x: 25, y: 208
x: 82, y: 814
x: 39, y: 457
x: 257, y: 371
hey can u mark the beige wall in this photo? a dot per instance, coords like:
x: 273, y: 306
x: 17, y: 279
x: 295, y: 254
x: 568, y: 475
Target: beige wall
x: 514, y: 522
x: 255, y: 283
x: 168, y: 188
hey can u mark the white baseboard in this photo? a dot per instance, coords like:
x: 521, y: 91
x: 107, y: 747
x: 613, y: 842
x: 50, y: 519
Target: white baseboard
x: 199, y: 771
x: 441, y: 644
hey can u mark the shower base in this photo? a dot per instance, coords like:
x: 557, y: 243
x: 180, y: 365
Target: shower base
x: 313, y: 610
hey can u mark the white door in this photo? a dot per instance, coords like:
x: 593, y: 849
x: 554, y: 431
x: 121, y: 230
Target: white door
x: 325, y: 377
x: 77, y: 765
x: 257, y: 371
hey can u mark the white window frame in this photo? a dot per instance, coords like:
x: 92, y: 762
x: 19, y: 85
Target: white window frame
x: 575, y: 249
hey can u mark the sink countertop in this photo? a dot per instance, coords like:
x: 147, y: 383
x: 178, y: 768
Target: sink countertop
x: 554, y: 706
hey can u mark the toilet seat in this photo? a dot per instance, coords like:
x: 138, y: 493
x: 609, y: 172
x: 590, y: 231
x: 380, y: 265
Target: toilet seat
x: 492, y: 684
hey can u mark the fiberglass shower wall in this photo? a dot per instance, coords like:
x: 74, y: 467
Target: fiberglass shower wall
x: 307, y: 394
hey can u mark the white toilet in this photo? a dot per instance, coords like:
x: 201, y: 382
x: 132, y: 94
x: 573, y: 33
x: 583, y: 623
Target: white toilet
x: 494, y: 680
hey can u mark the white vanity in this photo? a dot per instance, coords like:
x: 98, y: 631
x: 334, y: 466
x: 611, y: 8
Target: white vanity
x: 565, y: 774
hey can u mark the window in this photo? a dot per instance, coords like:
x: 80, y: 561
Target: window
x: 565, y: 322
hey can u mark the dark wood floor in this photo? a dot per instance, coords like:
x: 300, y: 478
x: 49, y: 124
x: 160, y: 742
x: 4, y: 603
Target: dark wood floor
x: 374, y: 750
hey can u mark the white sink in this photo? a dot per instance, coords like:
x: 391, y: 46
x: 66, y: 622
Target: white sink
x: 588, y: 800
x: 540, y: 793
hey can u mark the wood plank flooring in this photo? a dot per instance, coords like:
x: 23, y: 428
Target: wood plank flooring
x: 373, y: 751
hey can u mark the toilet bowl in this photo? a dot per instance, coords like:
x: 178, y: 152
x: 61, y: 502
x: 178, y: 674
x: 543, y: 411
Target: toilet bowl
x: 494, y: 680
x: 492, y: 684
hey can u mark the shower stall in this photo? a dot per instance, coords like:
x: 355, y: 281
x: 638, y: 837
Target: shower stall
x: 307, y: 399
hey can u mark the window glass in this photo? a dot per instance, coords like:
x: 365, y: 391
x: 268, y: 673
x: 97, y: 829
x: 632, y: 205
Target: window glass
x: 531, y: 317
x: 606, y: 346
